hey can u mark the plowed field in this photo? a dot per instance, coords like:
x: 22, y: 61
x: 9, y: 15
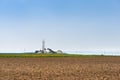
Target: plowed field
x: 61, y: 68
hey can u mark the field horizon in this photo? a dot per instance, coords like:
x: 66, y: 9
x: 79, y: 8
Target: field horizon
x: 36, y: 55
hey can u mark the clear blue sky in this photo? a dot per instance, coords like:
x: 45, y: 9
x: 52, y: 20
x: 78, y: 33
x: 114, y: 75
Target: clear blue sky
x: 64, y: 24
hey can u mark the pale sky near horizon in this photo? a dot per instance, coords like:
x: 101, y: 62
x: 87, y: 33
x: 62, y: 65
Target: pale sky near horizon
x: 69, y: 25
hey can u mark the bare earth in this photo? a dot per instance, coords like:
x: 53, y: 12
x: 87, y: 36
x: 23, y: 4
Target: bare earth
x: 68, y: 68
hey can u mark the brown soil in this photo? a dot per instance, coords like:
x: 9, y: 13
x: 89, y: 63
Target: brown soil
x: 68, y: 68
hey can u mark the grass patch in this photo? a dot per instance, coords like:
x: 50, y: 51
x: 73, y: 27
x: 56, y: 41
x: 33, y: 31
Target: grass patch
x: 33, y: 55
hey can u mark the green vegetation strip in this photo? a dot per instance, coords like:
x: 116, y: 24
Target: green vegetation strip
x: 32, y: 55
